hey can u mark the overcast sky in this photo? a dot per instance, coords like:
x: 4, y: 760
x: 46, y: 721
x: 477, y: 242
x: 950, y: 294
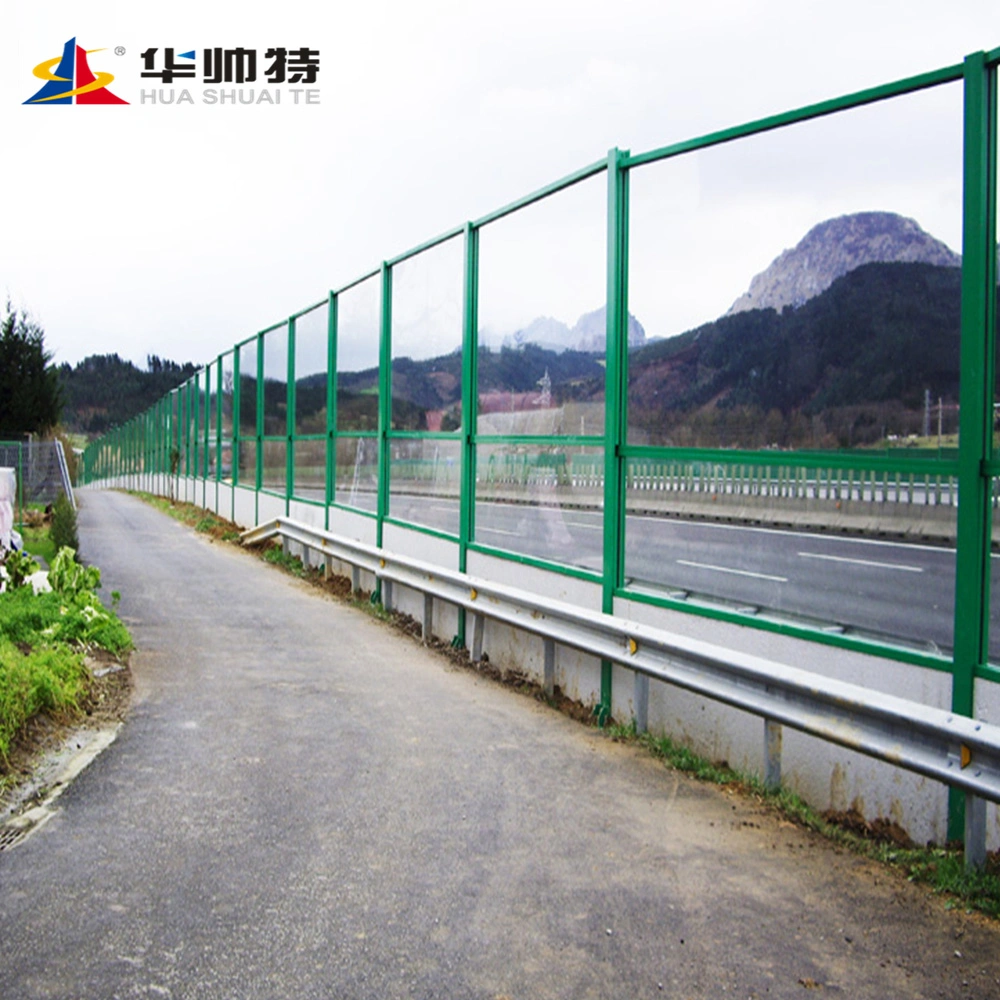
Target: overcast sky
x: 178, y: 230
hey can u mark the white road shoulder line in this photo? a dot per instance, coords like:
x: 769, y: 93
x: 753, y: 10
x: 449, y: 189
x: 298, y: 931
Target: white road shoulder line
x: 862, y: 562
x: 736, y: 572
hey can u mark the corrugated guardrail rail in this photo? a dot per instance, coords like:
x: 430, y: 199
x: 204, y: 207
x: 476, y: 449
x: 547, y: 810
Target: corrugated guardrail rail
x: 961, y: 752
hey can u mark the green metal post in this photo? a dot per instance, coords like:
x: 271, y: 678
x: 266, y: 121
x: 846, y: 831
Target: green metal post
x: 616, y: 381
x: 384, y: 400
x: 972, y: 569
x: 259, y: 429
x: 331, y: 406
x: 470, y: 401
x: 290, y: 418
x: 196, y: 430
x: 218, y: 426
x: 236, y: 424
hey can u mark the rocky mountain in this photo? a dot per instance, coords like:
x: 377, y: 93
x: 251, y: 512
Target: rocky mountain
x: 855, y: 363
x: 590, y: 332
x: 836, y: 247
x: 587, y: 334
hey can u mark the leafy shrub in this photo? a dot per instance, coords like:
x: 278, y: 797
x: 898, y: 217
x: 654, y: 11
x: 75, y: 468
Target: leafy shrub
x: 67, y: 576
x: 19, y: 566
x: 63, y: 531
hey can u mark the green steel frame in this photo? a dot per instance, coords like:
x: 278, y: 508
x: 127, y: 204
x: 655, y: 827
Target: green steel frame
x: 179, y: 421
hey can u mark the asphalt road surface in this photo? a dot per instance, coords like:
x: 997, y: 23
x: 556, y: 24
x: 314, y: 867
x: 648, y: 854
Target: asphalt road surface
x: 306, y: 804
x: 895, y: 590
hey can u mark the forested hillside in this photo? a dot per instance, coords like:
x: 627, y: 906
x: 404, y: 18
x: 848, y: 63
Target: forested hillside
x: 104, y: 390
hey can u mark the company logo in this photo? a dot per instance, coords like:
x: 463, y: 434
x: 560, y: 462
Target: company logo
x: 73, y: 81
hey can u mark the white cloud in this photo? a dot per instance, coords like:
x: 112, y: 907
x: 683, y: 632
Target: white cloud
x: 178, y: 230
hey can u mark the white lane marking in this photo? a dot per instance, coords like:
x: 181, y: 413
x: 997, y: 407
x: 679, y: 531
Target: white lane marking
x: 677, y: 522
x: 861, y: 562
x: 579, y: 524
x: 447, y: 510
x: 498, y: 531
x: 737, y: 572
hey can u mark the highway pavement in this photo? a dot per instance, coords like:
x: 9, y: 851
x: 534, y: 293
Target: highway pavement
x: 901, y: 591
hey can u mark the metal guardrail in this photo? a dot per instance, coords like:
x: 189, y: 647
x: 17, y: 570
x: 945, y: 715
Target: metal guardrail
x: 958, y: 751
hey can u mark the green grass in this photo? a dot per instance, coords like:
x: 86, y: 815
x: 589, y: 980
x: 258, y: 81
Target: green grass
x: 38, y: 543
x: 47, y: 679
x: 276, y: 556
x: 943, y: 869
x: 43, y: 639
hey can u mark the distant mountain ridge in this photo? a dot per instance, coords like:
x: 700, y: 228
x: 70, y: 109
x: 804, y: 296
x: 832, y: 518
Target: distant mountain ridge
x: 588, y: 334
x: 835, y: 248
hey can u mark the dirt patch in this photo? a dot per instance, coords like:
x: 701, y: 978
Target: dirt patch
x: 882, y: 830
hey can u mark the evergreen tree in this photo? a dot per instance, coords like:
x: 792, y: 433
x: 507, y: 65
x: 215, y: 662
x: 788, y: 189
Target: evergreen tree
x: 30, y: 396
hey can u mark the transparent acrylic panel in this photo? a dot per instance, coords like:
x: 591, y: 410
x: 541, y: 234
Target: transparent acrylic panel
x: 228, y: 383
x: 994, y: 636
x: 718, y: 533
x: 275, y: 345
x: 357, y: 472
x: 358, y: 319
x: 202, y: 456
x: 191, y: 425
x: 311, y: 354
x: 247, y: 470
x: 310, y: 469
x: 541, y: 501
x: 274, y: 474
x: 248, y: 389
x: 426, y: 376
x: 212, y: 419
x: 425, y: 482
x: 800, y: 289
x: 542, y: 315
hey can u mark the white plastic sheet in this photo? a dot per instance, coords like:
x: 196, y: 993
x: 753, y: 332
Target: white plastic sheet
x: 8, y: 490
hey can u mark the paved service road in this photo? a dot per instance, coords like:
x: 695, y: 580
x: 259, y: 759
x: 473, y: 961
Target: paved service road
x: 306, y: 804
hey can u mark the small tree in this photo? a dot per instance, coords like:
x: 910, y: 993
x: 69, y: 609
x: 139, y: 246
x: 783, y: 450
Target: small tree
x: 30, y: 395
x: 63, y: 528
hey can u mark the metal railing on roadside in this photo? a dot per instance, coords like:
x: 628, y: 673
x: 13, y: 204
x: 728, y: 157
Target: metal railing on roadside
x: 961, y: 752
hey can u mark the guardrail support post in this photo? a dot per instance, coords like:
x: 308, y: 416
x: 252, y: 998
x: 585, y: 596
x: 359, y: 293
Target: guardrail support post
x: 428, y: 617
x: 772, y: 755
x: 477, y: 638
x: 387, y: 595
x: 328, y: 567
x: 975, y: 831
x: 640, y: 700
x: 355, y: 579
x: 549, y: 676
